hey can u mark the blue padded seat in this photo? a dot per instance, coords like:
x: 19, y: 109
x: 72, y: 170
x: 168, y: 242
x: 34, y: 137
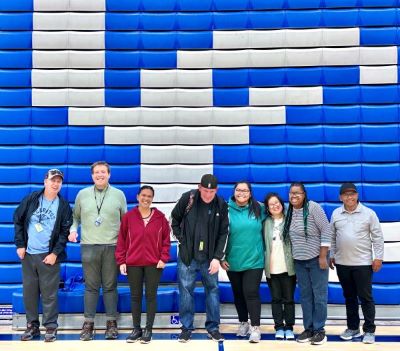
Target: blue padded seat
x: 15, y: 97
x: 158, y: 59
x: 190, y: 5
x: 121, y: 78
x: 304, y: 114
x: 71, y: 271
x: 122, y: 21
x: 194, y: 40
x: 340, y: 75
x: 16, y: 21
x: 330, y: 207
x: 386, y: 94
x: 173, y: 252
x: 304, y: 76
x: 231, y: 173
x: 226, y: 294
x: 341, y: 95
x: 231, y: 97
x: 265, y: 77
x: 15, y: 116
x: 130, y: 191
x: 340, y: 17
x: 378, y: 133
x: 230, y: 20
x: 342, y: 114
x: 158, y: 40
x: 194, y: 21
x: 378, y: 3
x: 122, y: 154
x: 267, y: 173
x: 123, y: 5
x: 305, y: 153
x: 20, y: 78
x: 225, y: 191
x: 390, y: 273
x: 158, y: 21
x: 73, y: 251
x: 122, y: 97
x: 267, y: 5
x: 380, y: 113
x: 8, y: 253
x: 266, y: 19
x: 14, y: 174
x: 80, y: 174
x: 120, y: 174
x: 49, y: 154
x: 337, y: 134
x: 15, y: 59
x: 49, y: 135
x: 304, y: 19
x: 230, y: 78
x: 159, y: 5
x: 13, y: 194
x: 380, y: 172
x: 268, y: 154
x: 343, y: 172
x: 381, y: 192
x: 14, y: 154
x: 305, y: 172
x: 388, y: 212
x: 85, y: 135
x: 261, y: 190
x: 380, y: 152
x: 6, y: 292
x: 6, y: 213
x: 304, y: 135
x: 230, y: 5
x: 7, y: 233
x: 267, y: 134
x: 122, y: 40
x: 10, y: 273
x: 378, y: 17
x: 343, y: 153
x: 316, y: 192
x: 73, y: 191
x: 234, y: 154
x: 122, y: 59
x: 85, y: 154
x: 304, y: 4
x: 50, y: 116
x: 379, y: 36
x: 340, y: 3
x: 21, y: 40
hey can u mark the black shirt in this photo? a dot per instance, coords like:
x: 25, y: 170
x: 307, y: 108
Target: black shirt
x: 200, y: 249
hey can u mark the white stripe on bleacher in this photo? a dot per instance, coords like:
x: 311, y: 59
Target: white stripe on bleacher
x: 167, y: 174
x: 250, y: 58
x: 392, y: 252
x: 378, y: 75
x: 170, y: 193
x: 68, y: 78
x: 68, y: 59
x: 69, y: 5
x: 68, y: 21
x: 177, y: 116
x: 286, y: 38
x: 286, y: 96
x: 175, y: 154
x: 176, y: 135
x: 67, y: 97
x: 176, y: 97
x: 68, y: 40
x: 391, y: 231
x: 176, y: 78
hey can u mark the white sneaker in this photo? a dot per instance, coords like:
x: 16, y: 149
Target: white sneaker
x: 255, y: 334
x: 243, y: 329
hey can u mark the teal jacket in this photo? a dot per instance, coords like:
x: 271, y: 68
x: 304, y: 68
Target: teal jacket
x: 245, y: 248
x: 287, y: 248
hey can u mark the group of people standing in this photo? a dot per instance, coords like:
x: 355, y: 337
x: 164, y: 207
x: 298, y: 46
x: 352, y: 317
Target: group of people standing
x: 243, y: 237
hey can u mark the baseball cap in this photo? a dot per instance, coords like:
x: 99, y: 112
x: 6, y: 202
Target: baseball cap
x: 347, y: 187
x: 54, y: 172
x: 209, y: 181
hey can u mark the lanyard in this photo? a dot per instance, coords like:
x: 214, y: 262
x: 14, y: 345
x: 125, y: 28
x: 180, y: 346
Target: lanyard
x: 102, y: 200
x: 48, y: 208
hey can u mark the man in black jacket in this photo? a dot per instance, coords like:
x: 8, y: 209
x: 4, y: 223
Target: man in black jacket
x: 42, y: 221
x: 200, y: 224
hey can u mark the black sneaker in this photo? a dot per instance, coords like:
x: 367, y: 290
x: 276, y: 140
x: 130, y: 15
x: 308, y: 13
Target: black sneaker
x: 185, y: 335
x: 146, y: 337
x: 31, y: 332
x: 51, y: 335
x: 111, y: 332
x: 87, y: 332
x: 215, y: 335
x: 135, y: 335
x: 305, y: 336
x: 318, y: 338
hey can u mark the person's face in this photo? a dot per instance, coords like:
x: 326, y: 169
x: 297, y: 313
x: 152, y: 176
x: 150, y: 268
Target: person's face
x: 297, y: 196
x: 53, y: 186
x: 350, y: 200
x: 242, y: 194
x: 275, y: 207
x: 100, y: 176
x: 145, y: 198
x: 207, y: 195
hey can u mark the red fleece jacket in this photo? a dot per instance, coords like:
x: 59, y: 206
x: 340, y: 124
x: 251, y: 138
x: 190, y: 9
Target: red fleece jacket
x: 138, y: 245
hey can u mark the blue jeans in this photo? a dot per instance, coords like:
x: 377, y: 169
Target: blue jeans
x: 313, y: 283
x: 187, y: 280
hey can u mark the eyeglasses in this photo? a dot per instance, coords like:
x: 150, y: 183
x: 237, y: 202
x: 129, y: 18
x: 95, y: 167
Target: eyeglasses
x: 296, y: 194
x: 243, y: 191
x: 349, y: 194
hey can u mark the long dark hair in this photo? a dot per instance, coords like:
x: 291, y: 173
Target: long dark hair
x: 144, y: 187
x: 268, y: 197
x: 254, y: 206
x: 288, y: 219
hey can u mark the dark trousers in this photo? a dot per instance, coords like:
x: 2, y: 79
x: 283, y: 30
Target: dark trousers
x: 282, y: 288
x: 356, y: 283
x: 40, y: 279
x: 150, y: 275
x: 246, y: 294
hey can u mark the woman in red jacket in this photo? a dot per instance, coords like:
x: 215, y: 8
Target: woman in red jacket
x: 142, y: 252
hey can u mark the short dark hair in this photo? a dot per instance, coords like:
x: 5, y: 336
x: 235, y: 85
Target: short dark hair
x: 100, y: 163
x: 144, y: 187
x: 268, y: 197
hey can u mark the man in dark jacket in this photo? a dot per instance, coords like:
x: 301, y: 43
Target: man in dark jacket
x: 200, y: 224
x: 42, y: 221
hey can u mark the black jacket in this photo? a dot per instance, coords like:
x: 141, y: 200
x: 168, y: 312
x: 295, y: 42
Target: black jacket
x: 59, y: 235
x: 183, y: 226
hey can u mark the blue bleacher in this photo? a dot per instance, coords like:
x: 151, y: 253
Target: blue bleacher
x: 85, y: 135
x: 231, y: 154
x: 6, y: 233
x: 268, y: 173
x: 343, y: 172
x: 231, y: 97
x: 121, y: 78
x: 15, y: 116
x: 304, y: 135
x: 342, y: 153
x: 15, y: 97
x: 15, y: 78
x: 306, y: 172
x: 381, y: 192
x: 230, y: 20
x: 341, y: 17
x: 49, y: 154
x: 15, y: 59
x: 15, y: 6
x: 13, y: 193
x: 305, y: 153
x: 379, y: 36
x: 380, y: 172
x: 268, y: 154
x: 231, y: 173
x: 304, y: 114
x: 194, y: 20
x: 50, y: 116
x: 379, y: 113
x: 266, y: 19
x: 16, y: 21
x: 304, y: 19
x: 378, y: 17
x: 336, y: 134
x: 122, y: 97
x: 380, y: 152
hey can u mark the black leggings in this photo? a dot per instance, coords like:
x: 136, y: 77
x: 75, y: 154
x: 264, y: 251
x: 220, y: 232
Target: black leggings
x: 151, y: 277
x: 246, y: 293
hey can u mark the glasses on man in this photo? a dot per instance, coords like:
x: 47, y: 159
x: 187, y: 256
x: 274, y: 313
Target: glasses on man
x: 349, y: 194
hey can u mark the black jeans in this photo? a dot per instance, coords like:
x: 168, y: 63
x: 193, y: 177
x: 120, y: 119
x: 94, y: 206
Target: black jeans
x: 246, y: 293
x: 151, y: 277
x: 356, y: 283
x: 282, y: 288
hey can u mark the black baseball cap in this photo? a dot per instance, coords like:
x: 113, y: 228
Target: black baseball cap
x: 54, y: 172
x: 209, y: 181
x: 347, y: 187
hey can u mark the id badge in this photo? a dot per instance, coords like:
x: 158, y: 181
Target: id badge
x: 201, y: 246
x: 38, y: 227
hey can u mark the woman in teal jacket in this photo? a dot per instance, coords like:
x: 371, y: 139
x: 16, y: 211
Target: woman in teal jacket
x: 279, y: 268
x: 244, y: 261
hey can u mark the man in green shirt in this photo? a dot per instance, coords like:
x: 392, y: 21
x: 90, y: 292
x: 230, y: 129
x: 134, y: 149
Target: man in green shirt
x: 99, y: 210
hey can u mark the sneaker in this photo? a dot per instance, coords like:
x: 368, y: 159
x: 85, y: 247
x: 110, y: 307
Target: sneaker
x: 111, y: 332
x: 51, y: 335
x: 146, y: 338
x: 87, y: 332
x: 255, y: 334
x: 289, y: 334
x: 243, y: 329
x: 215, y: 335
x: 134, y: 336
x: 319, y: 338
x: 280, y: 334
x: 31, y: 332
x: 185, y: 335
x: 349, y: 334
x: 368, y: 338
x: 305, y: 336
